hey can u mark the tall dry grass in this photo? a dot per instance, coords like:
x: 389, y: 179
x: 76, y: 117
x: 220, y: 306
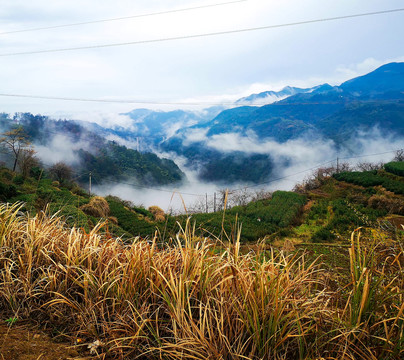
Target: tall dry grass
x: 187, y: 301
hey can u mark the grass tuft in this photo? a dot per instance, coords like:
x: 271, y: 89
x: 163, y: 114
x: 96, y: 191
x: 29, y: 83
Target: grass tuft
x: 186, y: 300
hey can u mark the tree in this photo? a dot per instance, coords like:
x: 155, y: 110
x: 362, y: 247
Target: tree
x: 27, y: 160
x: 399, y: 155
x: 15, y: 141
x: 368, y: 166
x: 61, y: 172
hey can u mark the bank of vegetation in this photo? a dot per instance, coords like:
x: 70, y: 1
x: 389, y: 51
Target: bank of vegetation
x: 186, y: 300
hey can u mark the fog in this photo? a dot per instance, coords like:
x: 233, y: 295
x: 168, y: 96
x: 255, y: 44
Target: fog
x: 293, y: 161
x: 61, y: 148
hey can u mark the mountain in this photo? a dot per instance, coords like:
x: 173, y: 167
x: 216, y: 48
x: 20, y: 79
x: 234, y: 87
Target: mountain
x: 375, y: 100
x: 225, y: 145
x: 269, y: 97
x: 388, y: 78
x: 151, y: 127
x: 323, y: 110
x: 86, y: 151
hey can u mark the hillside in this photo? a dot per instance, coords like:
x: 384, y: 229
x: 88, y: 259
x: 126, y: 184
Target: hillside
x: 324, y: 209
x: 205, y: 297
x: 338, y: 114
x: 227, y: 146
x: 85, y: 151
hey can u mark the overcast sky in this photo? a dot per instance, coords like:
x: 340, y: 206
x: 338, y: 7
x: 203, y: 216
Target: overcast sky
x: 209, y: 69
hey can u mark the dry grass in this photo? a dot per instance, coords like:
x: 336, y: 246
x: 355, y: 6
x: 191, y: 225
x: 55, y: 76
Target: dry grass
x: 158, y: 213
x: 97, y: 207
x: 186, y: 301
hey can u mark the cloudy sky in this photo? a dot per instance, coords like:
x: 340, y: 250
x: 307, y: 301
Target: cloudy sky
x: 200, y: 70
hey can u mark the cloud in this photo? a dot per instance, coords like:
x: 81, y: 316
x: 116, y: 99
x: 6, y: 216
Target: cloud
x: 195, y: 135
x: 350, y: 71
x: 61, y: 148
x: 105, y: 119
x: 293, y: 161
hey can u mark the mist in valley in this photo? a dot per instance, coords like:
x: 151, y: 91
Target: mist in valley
x: 293, y: 161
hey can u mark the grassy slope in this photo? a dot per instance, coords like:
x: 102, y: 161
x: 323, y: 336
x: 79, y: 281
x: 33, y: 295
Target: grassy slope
x: 324, y: 215
x: 142, y: 300
x: 351, y: 200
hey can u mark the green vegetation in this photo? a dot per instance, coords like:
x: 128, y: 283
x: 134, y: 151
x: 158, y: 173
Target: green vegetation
x: 133, y: 220
x: 118, y: 163
x: 73, y: 204
x: 372, y: 178
x: 258, y: 219
x: 326, y: 215
x: 106, y: 159
x: 187, y: 301
x: 395, y: 167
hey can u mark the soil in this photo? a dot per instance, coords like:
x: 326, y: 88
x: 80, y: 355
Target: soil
x: 22, y: 342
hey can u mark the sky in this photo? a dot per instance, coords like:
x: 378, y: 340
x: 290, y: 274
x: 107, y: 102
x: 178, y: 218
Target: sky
x: 204, y: 70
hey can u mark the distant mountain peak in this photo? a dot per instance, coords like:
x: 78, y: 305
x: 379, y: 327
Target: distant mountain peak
x: 388, y: 77
x: 269, y: 97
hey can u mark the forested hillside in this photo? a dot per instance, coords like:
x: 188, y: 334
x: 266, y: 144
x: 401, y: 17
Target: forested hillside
x: 83, y: 151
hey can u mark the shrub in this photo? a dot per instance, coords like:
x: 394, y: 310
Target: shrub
x: 97, y: 207
x: 396, y: 167
x: 71, y: 214
x: 371, y: 178
x: 18, y: 180
x: 391, y: 205
x: 7, y: 191
x: 77, y: 190
x: 157, y: 212
x: 323, y: 235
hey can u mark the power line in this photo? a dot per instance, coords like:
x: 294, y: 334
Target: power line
x: 117, y: 101
x: 313, y: 168
x: 283, y: 177
x: 121, y: 18
x: 367, y: 155
x: 195, y: 103
x: 150, y: 188
x: 184, y: 37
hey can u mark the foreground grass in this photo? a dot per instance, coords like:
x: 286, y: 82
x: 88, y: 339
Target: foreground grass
x: 186, y: 301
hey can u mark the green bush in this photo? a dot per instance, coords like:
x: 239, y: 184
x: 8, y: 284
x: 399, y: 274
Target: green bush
x: 396, y: 168
x: 18, y: 180
x: 128, y: 220
x: 371, y: 178
x: 7, y: 191
x: 72, y: 215
x: 323, y: 235
x: 258, y: 219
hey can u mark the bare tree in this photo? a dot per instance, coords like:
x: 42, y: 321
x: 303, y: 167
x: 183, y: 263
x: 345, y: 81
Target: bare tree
x: 61, y: 172
x: 26, y: 161
x: 399, y: 155
x: 368, y: 166
x: 15, y: 141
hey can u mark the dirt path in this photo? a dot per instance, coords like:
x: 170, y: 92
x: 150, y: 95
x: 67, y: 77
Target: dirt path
x: 19, y: 342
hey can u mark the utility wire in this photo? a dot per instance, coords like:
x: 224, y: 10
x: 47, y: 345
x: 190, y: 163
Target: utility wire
x: 121, y: 18
x: 255, y: 185
x: 194, y: 36
x: 173, y: 191
x: 313, y: 168
x: 367, y: 155
x: 150, y: 102
x: 283, y: 177
x: 118, y: 101
x: 150, y: 188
